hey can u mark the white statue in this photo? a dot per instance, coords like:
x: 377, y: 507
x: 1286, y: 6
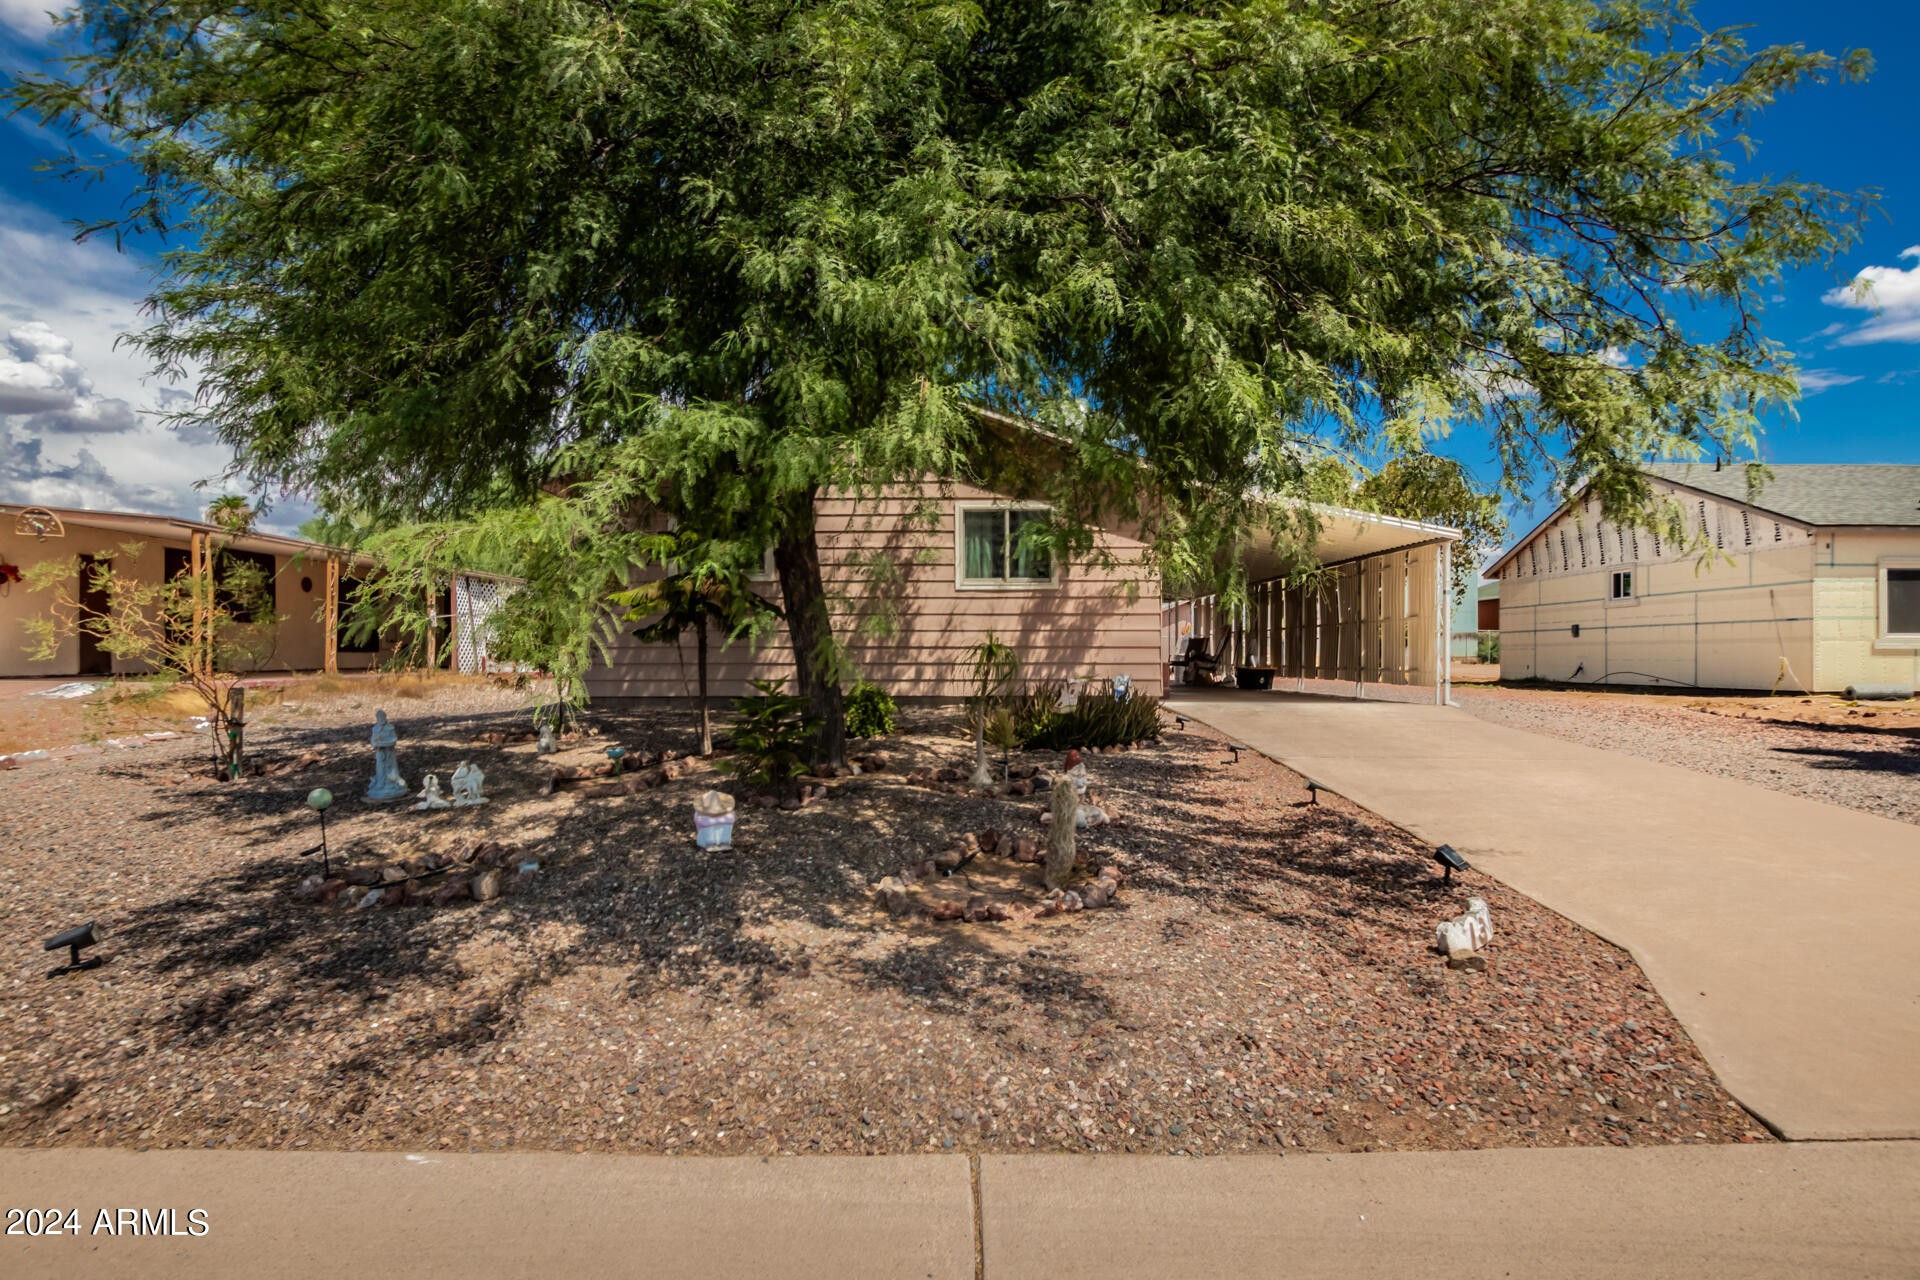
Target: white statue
x: 466, y: 784
x: 387, y: 783
x: 546, y: 746
x: 1123, y: 686
x: 1469, y: 933
x: 430, y: 797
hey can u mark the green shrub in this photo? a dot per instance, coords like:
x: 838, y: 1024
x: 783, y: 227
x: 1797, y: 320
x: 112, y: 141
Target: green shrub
x: 1490, y: 648
x: 770, y: 737
x: 1100, y: 720
x: 870, y: 711
x: 1014, y: 720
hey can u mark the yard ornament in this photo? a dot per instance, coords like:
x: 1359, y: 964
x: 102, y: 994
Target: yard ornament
x: 466, y: 785
x: 430, y: 797
x: 387, y: 783
x: 546, y: 746
x: 1462, y: 939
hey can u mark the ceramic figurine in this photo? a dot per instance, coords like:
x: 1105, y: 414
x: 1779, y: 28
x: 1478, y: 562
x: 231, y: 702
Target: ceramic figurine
x: 546, y: 746
x: 430, y: 797
x: 466, y: 784
x: 387, y: 783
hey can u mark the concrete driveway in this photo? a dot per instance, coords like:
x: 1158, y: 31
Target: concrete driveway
x: 1784, y: 934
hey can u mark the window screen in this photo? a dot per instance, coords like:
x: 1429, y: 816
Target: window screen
x: 993, y: 549
x: 1903, y: 602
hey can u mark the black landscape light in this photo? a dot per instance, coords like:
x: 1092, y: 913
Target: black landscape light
x: 73, y: 940
x: 1235, y: 748
x: 317, y: 800
x: 1313, y: 791
x: 1452, y: 861
x: 1181, y: 722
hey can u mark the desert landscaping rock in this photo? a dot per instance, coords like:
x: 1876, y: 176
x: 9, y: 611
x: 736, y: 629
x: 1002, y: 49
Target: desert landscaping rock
x: 1863, y: 758
x: 1264, y: 980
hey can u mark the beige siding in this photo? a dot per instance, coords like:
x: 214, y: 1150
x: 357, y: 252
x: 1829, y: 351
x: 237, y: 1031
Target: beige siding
x: 300, y: 638
x: 1847, y: 644
x: 1716, y: 624
x: 909, y: 623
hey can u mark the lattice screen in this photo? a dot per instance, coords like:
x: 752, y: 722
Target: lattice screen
x: 474, y: 600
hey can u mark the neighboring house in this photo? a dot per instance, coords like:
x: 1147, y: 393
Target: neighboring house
x: 300, y: 571
x: 1813, y: 585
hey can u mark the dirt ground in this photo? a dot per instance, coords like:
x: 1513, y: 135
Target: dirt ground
x: 1263, y: 981
x: 1861, y: 755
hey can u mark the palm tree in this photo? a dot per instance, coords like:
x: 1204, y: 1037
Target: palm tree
x: 701, y: 592
x: 232, y: 513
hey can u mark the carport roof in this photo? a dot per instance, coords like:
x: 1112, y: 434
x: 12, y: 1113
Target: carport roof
x: 1345, y: 534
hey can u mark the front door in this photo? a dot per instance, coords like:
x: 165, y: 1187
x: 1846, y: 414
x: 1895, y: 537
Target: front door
x: 94, y: 660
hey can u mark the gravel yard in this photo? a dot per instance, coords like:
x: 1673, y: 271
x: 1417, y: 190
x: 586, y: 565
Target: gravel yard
x: 1864, y: 756
x: 1263, y: 981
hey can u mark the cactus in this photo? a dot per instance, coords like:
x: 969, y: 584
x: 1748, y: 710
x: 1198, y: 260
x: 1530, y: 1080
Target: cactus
x: 1066, y: 809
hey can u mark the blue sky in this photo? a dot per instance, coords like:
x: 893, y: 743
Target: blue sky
x: 75, y: 411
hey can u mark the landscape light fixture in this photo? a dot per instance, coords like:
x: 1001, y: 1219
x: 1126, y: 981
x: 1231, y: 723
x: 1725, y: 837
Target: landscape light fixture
x: 1452, y: 861
x: 317, y: 800
x: 73, y: 940
x: 614, y: 754
x: 1313, y: 791
x: 1181, y: 721
x: 1235, y: 748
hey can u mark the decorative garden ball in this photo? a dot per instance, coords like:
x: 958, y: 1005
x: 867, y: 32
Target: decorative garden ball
x: 319, y: 798
x: 614, y: 754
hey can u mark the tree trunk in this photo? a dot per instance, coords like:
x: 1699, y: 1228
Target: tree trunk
x: 706, y: 721
x: 804, y: 594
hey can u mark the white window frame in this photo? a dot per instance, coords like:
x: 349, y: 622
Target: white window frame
x: 1886, y: 639
x: 960, y: 579
x: 1631, y: 598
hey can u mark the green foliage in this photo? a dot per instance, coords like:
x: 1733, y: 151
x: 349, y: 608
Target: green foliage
x: 1489, y: 647
x: 770, y: 737
x: 766, y: 250
x: 1426, y: 486
x: 870, y: 711
x: 1100, y: 720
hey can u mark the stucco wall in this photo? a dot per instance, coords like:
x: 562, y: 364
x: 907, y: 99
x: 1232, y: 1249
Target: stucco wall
x: 1846, y: 601
x: 909, y: 629
x: 299, y: 645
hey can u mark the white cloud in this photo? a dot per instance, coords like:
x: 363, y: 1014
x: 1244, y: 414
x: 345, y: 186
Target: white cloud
x: 28, y: 17
x: 77, y: 411
x: 39, y: 377
x: 1891, y: 294
x: 1814, y: 381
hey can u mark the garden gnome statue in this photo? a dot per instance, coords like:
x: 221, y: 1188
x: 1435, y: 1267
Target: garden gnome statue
x: 430, y: 797
x: 387, y: 783
x: 466, y: 784
x: 546, y: 746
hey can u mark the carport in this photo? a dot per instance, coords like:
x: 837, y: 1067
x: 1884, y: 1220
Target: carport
x: 1368, y: 607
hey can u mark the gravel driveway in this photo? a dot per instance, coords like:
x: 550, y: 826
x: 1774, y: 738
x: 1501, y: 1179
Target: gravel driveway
x: 1816, y: 748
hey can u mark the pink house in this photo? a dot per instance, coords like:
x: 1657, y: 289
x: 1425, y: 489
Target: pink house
x: 917, y: 594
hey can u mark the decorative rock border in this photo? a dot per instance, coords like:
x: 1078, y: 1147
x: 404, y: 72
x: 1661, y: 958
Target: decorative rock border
x: 482, y: 872
x: 894, y: 893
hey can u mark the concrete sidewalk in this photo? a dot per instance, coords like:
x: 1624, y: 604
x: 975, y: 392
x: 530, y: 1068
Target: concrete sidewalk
x: 1785, y: 934
x: 1754, y: 1212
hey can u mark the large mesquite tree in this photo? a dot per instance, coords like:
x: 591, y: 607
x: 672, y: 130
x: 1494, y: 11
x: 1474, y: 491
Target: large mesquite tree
x: 751, y: 251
